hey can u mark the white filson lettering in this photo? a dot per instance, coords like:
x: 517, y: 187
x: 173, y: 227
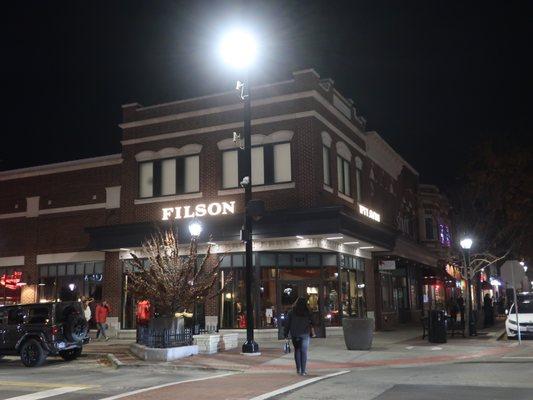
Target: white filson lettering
x: 228, y: 208
x: 214, y: 208
x: 200, y: 210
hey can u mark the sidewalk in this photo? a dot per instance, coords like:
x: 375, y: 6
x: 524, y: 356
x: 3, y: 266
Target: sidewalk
x: 403, y: 346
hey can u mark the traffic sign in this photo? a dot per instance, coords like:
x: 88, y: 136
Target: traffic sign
x: 512, y: 273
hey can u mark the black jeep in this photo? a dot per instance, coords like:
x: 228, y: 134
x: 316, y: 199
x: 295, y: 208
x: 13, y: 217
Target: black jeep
x: 35, y: 331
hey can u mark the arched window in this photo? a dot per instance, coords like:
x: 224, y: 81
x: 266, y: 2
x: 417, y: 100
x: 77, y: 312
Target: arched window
x: 344, y: 156
x: 358, y: 169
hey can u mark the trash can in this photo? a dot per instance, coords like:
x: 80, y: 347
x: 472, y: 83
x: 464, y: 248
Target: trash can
x: 437, y: 327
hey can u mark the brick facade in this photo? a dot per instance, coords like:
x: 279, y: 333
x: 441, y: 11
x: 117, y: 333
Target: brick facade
x: 306, y: 105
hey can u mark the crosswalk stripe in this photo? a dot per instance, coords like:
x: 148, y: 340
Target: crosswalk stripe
x: 119, y: 396
x: 48, y: 393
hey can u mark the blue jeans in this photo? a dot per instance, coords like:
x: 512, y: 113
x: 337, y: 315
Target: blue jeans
x: 301, y: 344
x: 101, y: 330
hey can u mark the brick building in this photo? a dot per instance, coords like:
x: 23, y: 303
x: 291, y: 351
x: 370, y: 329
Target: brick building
x: 342, y: 209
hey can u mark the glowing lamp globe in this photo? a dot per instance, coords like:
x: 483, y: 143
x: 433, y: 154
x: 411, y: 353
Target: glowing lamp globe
x: 238, y: 49
x: 466, y: 243
x: 195, y: 229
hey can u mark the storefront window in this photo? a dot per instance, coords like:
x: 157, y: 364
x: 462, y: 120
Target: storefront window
x: 267, y: 294
x: 233, y: 298
x: 10, y: 289
x: 69, y: 282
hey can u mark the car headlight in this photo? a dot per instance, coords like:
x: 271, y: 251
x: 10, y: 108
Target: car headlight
x: 511, y: 322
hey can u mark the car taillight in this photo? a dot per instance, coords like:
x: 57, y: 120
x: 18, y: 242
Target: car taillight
x: 55, y: 329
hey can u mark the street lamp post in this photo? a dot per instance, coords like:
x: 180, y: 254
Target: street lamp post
x: 238, y: 48
x: 195, y: 229
x: 466, y: 244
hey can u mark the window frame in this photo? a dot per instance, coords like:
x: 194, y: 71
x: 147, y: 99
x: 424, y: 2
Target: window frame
x: 342, y: 161
x: 268, y: 165
x: 157, y: 176
x: 326, y: 166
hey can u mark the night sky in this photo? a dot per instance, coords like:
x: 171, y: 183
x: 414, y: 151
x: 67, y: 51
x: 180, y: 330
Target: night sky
x: 433, y: 77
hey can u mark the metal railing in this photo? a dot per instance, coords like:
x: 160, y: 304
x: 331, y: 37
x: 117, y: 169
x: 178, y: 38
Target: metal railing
x: 165, y: 338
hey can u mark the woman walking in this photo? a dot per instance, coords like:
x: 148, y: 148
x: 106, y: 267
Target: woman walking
x: 300, y: 326
x: 102, y: 312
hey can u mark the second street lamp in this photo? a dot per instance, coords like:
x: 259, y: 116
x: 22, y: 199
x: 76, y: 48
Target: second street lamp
x: 238, y: 49
x: 466, y: 244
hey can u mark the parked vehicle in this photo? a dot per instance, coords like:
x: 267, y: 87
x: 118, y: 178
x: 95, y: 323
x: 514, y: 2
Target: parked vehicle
x: 525, y: 318
x: 34, y: 331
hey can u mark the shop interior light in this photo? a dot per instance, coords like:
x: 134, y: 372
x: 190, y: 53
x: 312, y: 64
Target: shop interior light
x: 299, y: 237
x: 42, y: 284
x: 366, y: 247
x: 351, y: 243
x: 71, y: 286
x: 335, y: 238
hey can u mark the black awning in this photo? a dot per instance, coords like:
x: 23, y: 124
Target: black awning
x: 286, y: 223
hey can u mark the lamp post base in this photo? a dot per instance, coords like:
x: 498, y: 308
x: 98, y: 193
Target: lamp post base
x: 250, y: 347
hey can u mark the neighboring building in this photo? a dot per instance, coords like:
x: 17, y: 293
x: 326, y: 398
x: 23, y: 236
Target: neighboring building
x: 341, y: 224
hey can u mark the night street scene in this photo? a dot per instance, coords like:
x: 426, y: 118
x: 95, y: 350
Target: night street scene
x: 249, y: 200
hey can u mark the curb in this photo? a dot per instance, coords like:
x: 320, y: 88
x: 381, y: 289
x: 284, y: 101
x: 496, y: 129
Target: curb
x: 114, y: 361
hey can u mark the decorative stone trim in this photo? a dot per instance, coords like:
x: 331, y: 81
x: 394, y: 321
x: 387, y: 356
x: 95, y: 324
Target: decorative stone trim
x: 326, y: 139
x: 168, y: 198
x: 346, y: 198
x: 343, y: 151
x: 169, y: 152
x: 274, y: 137
x: 327, y: 188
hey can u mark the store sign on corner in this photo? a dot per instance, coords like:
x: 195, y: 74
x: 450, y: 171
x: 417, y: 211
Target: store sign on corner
x: 367, y: 212
x: 200, y: 210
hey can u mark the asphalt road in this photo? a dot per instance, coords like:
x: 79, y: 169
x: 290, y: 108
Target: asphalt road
x: 81, y: 379
x: 504, y: 376
x: 480, y: 380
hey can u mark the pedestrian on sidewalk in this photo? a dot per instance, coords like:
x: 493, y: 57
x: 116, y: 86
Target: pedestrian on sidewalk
x: 102, y: 312
x: 87, y: 313
x: 300, y: 327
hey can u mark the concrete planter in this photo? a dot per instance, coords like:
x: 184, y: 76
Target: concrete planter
x: 207, y: 344
x: 169, y: 354
x: 358, y: 333
x: 229, y: 341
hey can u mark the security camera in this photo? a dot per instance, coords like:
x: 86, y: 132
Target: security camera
x: 239, y: 85
x: 245, y: 181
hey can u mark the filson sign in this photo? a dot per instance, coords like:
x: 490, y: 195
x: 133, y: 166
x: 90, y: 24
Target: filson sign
x: 199, y: 210
x: 367, y: 212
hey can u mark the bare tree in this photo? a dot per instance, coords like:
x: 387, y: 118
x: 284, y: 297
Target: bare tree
x: 171, y: 281
x: 493, y: 205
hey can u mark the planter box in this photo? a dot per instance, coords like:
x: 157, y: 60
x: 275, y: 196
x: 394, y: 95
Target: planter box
x: 229, y: 341
x: 169, y: 354
x: 207, y: 344
x: 358, y: 333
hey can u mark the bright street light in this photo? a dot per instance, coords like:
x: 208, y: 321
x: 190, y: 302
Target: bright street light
x: 238, y: 49
x: 195, y: 229
x: 466, y: 243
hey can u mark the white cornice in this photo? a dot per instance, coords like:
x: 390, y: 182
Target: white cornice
x: 255, y: 122
x: 385, y: 156
x: 255, y: 103
x: 56, y: 168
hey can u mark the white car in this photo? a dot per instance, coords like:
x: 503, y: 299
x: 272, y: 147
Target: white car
x: 525, y: 319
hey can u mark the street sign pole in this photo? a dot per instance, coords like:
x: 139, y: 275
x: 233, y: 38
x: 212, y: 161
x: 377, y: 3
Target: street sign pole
x: 516, y: 307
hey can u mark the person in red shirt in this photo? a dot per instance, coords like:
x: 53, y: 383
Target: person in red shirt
x: 102, y: 311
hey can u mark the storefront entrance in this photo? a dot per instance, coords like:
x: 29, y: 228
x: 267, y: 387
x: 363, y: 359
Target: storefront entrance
x: 289, y: 291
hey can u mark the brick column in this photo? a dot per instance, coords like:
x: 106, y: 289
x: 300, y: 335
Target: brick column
x: 112, y: 285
